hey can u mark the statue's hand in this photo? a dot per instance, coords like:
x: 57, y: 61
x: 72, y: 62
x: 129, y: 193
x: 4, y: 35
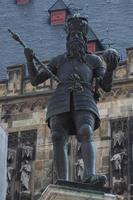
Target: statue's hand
x: 29, y: 54
x: 112, y: 58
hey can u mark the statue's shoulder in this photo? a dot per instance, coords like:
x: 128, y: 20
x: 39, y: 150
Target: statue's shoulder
x: 94, y: 60
x: 59, y: 60
x: 93, y: 57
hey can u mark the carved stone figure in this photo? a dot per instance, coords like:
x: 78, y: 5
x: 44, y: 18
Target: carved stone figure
x: 10, y: 155
x: 25, y: 176
x: 117, y: 161
x: 119, y: 138
x: 72, y: 108
x: 10, y: 171
x: 27, y: 151
x: 79, y: 169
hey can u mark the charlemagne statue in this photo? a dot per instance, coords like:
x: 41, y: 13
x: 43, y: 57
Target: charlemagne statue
x: 72, y: 108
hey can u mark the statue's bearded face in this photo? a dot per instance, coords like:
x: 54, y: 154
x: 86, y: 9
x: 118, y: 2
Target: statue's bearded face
x: 76, y: 45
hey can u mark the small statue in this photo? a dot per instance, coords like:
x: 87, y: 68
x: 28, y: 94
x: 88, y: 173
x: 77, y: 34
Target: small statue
x: 25, y: 176
x: 117, y: 160
x: 27, y: 151
x: 10, y: 155
x: 72, y: 108
x: 119, y: 139
x: 10, y: 171
x: 79, y: 169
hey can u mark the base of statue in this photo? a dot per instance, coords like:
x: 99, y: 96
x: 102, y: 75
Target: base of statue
x: 66, y: 190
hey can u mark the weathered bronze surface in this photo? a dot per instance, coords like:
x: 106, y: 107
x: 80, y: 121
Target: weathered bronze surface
x: 72, y: 108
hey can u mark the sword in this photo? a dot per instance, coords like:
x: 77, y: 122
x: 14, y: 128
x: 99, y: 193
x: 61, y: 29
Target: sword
x: 17, y: 38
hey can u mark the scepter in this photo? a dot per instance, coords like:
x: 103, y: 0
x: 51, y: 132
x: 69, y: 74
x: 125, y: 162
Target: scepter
x: 17, y: 38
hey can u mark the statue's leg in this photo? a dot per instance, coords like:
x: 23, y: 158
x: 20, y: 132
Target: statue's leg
x: 85, y: 126
x: 85, y: 122
x: 59, y: 130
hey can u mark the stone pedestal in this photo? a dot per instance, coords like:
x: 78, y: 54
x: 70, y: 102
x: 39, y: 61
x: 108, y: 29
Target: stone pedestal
x: 75, y: 191
x: 3, y: 164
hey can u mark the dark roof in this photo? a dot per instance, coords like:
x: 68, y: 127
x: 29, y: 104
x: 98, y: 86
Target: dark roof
x: 58, y: 5
x: 109, y: 20
x: 91, y: 35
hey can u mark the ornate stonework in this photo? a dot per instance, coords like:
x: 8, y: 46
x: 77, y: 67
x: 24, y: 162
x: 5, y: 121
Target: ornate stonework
x: 119, y: 155
x: 21, y: 156
x: 15, y: 109
x: 121, y: 73
x: 130, y: 60
x: 121, y: 91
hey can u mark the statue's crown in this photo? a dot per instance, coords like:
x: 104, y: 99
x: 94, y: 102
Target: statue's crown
x: 76, y: 24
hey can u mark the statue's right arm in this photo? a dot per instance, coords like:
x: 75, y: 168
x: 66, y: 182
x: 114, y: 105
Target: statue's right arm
x: 37, y: 76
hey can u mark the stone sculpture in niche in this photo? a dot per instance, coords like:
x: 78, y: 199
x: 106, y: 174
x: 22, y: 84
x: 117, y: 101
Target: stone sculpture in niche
x: 27, y: 151
x: 25, y: 176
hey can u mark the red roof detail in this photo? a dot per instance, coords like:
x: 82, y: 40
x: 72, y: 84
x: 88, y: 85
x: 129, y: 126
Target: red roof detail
x: 22, y: 1
x: 91, y: 47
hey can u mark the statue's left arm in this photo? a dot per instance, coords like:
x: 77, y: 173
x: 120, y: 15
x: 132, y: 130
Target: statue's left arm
x: 105, y: 74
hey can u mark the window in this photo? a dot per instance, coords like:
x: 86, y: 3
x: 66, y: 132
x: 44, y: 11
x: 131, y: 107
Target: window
x: 58, y: 12
x: 91, y: 47
x: 58, y: 17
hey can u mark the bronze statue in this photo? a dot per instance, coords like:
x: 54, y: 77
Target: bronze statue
x: 72, y: 108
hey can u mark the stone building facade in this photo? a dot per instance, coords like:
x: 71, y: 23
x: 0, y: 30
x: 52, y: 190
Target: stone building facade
x: 22, y: 115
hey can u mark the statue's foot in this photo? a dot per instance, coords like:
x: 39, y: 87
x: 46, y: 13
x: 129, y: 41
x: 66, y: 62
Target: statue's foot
x: 96, y: 180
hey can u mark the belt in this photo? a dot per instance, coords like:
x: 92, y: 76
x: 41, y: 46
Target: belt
x: 77, y: 86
